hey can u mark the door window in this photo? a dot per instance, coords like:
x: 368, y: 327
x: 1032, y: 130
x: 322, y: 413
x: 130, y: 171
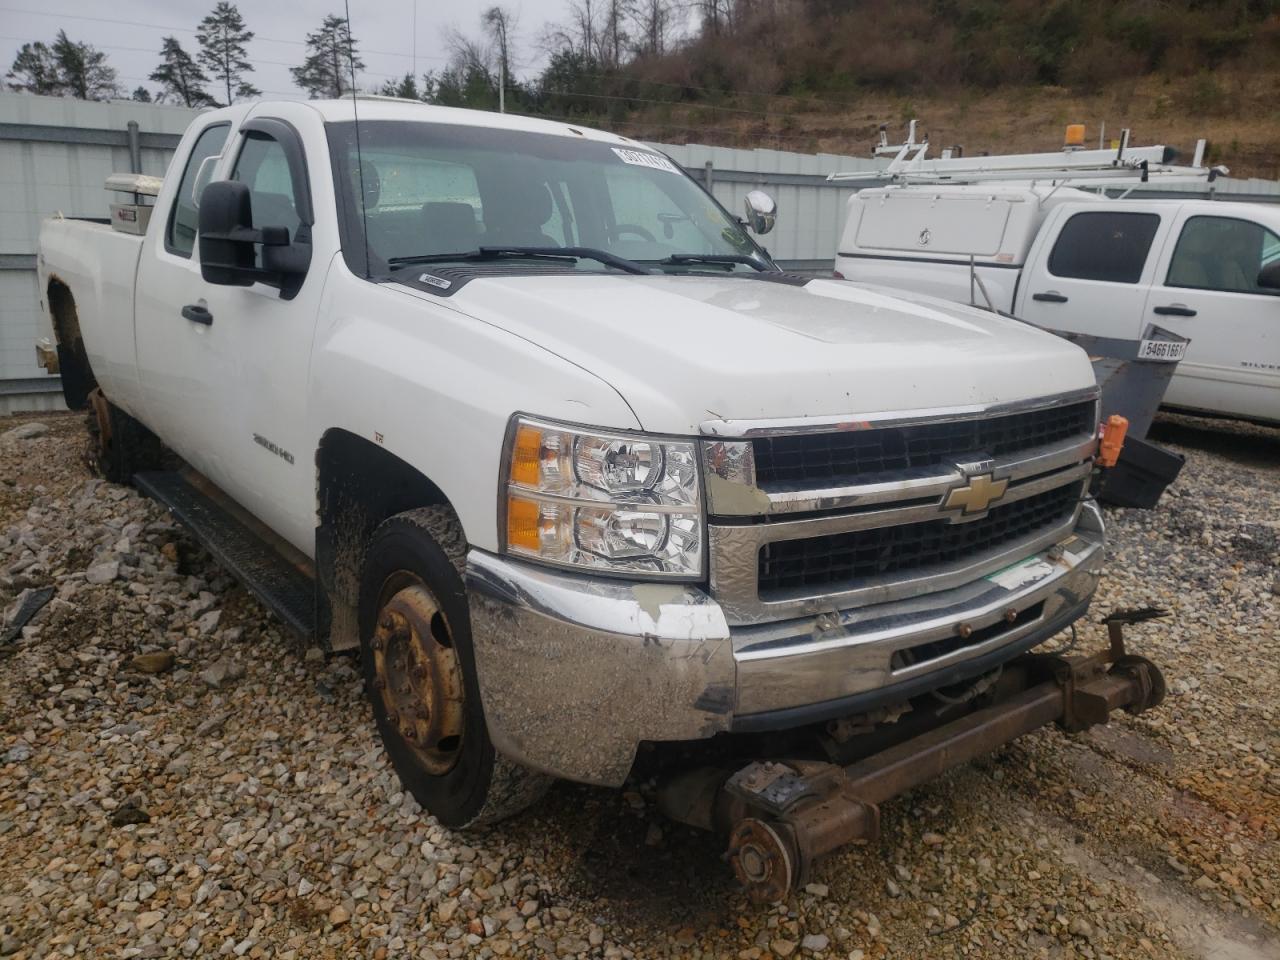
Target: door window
x: 1222, y: 253
x: 1104, y: 245
x: 180, y: 233
x: 263, y: 165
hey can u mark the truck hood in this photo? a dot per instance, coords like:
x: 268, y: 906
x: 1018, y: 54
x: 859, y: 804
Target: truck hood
x: 685, y: 350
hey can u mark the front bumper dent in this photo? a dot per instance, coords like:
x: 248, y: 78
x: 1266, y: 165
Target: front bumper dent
x: 575, y: 672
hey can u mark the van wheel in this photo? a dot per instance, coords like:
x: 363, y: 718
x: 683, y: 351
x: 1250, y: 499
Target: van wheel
x: 420, y: 675
x: 119, y: 446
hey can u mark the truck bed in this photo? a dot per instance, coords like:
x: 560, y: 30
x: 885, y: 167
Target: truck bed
x: 98, y: 265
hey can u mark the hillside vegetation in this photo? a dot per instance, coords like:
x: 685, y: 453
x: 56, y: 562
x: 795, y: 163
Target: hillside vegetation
x: 992, y: 75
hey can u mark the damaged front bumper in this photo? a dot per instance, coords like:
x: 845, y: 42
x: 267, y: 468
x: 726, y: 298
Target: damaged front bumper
x: 575, y: 672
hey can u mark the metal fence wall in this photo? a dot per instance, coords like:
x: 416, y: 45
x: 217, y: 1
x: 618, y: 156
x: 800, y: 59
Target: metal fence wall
x: 55, y: 154
x: 810, y: 208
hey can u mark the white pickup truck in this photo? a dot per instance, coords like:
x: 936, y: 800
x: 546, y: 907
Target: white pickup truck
x: 1067, y: 259
x: 518, y: 410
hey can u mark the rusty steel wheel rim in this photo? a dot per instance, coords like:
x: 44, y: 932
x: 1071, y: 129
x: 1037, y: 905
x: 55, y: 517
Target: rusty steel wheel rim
x: 418, y: 675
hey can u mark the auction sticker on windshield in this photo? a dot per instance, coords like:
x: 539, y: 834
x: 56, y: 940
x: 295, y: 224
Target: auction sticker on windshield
x: 1167, y: 350
x: 639, y: 158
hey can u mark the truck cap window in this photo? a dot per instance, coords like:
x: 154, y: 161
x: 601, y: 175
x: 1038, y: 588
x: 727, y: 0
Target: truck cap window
x: 1104, y: 245
x: 431, y: 189
x: 1222, y: 253
x: 180, y: 233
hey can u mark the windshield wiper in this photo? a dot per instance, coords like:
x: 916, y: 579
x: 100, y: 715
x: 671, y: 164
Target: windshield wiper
x: 537, y: 253
x: 679, y: 258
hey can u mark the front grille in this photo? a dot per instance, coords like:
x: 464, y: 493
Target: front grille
x: 841, y: 558
x: 828, y: 458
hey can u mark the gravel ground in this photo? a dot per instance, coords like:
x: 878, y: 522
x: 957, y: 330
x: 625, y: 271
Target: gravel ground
x: 178, y: 779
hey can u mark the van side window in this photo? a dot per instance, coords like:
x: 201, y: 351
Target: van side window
x: 1104, y: 245
x: 180, y: 233
x: 263, y: 165
x: 1222, y: 253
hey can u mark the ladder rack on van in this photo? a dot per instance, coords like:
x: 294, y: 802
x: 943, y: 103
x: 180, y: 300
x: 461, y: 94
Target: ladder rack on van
x: 1077, y: 167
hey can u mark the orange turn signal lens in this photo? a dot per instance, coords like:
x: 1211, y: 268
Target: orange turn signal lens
x: 1112, y: 442
x: 522, y: 523
x: 526, y: 456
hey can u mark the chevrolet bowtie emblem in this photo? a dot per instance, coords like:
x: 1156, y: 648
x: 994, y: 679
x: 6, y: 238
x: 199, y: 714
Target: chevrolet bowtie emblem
x: 975, y: 496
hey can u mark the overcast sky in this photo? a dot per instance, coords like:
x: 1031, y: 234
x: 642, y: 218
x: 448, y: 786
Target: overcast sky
x: 130, y: 32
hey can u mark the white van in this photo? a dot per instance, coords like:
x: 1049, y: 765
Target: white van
x: 1068, y: 259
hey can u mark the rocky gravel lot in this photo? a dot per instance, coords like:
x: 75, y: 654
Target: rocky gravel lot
x: 177, y: 778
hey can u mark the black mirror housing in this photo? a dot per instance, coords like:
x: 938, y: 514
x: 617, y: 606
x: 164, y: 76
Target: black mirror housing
x: 1269, y: 276
x: 225, y: 226
x: 228, y: 238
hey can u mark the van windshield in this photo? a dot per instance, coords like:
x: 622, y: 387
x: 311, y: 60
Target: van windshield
x: 433, y: 189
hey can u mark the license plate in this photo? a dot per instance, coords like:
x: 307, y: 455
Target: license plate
x: 1168, y: 351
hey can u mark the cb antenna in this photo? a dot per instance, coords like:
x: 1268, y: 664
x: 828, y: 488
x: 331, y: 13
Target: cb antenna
x: 355, y: 115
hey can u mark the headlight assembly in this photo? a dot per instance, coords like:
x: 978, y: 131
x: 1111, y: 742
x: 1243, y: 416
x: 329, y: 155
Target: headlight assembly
x: 625, y: 503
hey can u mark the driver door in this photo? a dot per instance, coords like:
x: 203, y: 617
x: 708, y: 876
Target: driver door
x: 234, y: 360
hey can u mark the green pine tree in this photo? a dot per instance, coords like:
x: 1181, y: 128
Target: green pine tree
x: 331, y: 60
x: 83, y: 71
x: 180, y: 77
x: 223, y: 40
x: 35, y: 70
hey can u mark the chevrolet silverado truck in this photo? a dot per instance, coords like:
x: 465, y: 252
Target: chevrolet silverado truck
x: 518, y: 411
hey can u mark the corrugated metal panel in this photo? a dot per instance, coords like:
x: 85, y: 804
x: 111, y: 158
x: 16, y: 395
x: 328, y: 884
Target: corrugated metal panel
x: 55, y: 154
x: 810, y: 209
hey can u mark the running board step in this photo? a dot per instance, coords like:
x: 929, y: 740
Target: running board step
x: 283, y: 587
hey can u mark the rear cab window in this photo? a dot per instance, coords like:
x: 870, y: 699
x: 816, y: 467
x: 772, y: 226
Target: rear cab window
x: 1109, y: 246
x: 180, y: 231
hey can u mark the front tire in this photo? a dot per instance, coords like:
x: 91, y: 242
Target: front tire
x: 420, y: 675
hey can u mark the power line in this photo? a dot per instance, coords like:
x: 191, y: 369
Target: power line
x: 587, y: 121
x: 736, y: 93
x: 674, y: 103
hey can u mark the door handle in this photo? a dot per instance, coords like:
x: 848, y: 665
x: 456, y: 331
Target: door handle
x: 1174, y: 310
x: 1050, y: 297
x: 197, y: 314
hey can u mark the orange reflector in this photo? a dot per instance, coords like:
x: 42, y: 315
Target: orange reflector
x: 1113, y: 433
x: 1075, y: 135
x: 522, y: 524
x: 526, y: 456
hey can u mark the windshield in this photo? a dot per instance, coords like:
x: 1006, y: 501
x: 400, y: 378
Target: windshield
x: 435, y: 189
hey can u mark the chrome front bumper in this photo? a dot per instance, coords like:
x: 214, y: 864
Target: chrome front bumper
x: 575, y: 672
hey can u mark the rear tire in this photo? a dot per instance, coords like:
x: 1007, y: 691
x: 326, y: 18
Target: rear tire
x: 119, y: 446
x: 420, y: 675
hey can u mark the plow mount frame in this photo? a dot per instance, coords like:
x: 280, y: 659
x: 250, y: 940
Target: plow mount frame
x: 783, y: 816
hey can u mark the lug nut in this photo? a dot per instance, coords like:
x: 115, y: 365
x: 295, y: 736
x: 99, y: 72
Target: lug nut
x: 964, y: 630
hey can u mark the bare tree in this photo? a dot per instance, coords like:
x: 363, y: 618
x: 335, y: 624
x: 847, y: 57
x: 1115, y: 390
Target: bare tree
x: 654, y: 22
x: 500, y: 24
x: 613, y: 39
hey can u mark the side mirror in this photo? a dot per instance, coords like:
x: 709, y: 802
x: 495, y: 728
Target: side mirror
x: 227, y: 239
x: 762, y: 212
x: 1269, y: 276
